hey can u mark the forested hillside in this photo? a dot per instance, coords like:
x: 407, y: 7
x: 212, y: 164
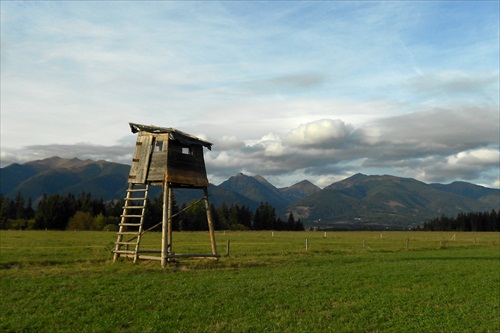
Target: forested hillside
x: 389, y: 202
x: 487, y: 221
x: 358, y: 202
x: 82, y: 212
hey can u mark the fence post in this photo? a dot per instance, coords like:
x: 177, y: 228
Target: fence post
x: 228, y: 247
x: 307, y: 244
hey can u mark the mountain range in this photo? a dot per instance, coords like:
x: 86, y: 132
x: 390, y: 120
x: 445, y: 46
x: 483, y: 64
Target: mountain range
x: 360, y: 201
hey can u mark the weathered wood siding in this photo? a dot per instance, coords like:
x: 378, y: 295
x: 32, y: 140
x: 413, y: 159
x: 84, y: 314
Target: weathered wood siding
x: 141, y: 159
x: 158, y: 164
x: 186, y: 167
x: 158, y: 159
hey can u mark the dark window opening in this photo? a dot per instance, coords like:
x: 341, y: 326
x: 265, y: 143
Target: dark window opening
x: 159, y: 146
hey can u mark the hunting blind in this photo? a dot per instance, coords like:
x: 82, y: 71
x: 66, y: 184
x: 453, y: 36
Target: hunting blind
x: 172, y: 159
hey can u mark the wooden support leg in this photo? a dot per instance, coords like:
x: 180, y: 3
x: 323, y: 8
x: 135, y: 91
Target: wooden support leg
x: 169, y: 219
x: 210, y: 222
x: 164, y: 226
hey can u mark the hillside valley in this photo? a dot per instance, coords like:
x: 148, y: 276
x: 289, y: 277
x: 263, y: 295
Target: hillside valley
x: 358, y: 202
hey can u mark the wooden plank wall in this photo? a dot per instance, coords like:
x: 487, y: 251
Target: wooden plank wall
x: 140, y: 161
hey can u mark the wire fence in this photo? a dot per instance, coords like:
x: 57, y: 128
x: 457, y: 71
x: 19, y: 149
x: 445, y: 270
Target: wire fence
x: 277, y: 242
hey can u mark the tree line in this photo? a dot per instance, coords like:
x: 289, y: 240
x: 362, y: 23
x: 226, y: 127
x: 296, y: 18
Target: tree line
x: 485, y: 221
x: 82, y: 212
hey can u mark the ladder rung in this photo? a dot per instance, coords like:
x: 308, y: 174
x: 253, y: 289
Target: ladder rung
x: 125, y: 243
x: 140, y: 256
x: 133, y: 204
x: 124, y: 251
x: 148, y: 257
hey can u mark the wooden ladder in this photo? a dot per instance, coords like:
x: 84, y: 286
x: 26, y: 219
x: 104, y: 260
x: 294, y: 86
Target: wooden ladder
x: 131, y: 223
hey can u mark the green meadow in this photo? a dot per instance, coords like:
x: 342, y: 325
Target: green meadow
x: 63, y: 281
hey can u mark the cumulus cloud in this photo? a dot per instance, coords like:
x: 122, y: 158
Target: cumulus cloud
x: 330, y: 149
x: 476, y: 157
x: 433, y: 145
x: 324, y: 133
x: 439, y: 131
x: 467, y: 165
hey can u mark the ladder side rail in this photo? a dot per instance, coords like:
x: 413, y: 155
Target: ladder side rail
x: 119, y: 239
x: 129, y: 207
x: 141, y: 223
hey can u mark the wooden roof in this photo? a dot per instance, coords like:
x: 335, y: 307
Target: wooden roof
x: 174, y: 134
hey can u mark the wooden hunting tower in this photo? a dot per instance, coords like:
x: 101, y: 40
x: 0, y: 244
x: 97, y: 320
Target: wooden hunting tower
x: 172, y: 159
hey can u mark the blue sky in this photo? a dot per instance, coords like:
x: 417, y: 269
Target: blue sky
x: 288, y: 90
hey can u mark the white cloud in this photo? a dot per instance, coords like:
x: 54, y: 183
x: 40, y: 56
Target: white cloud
x: 476, y: 157
x: 467, y: 165
x: 324, y: 133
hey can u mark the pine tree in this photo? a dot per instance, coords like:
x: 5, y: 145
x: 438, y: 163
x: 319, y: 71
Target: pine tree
x: 265, y: 217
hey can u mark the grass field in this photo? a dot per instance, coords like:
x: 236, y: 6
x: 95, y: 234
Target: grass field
x: 344, y: 282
